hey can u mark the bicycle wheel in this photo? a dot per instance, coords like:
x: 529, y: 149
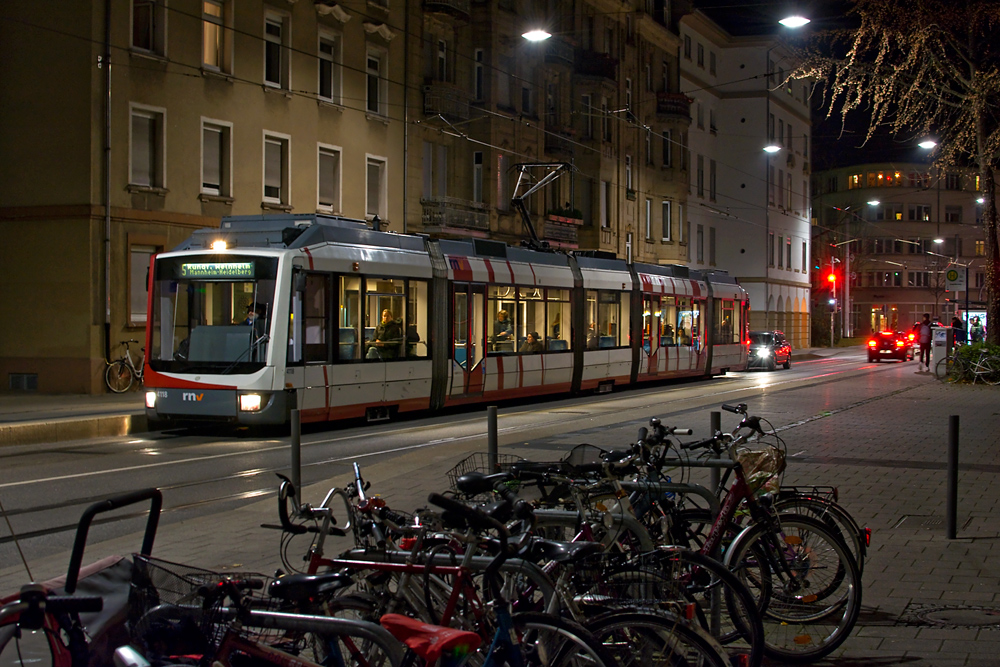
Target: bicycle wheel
x: 118, y: 376
x: 551, y: 641
x: 990, y: 370
x: 949, y: 369
x: 833, y: 515
x: 641, y: 639
x: 806, y: 583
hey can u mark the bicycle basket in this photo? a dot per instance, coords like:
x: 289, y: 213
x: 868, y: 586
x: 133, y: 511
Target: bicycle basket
x: 479, y: 462
x: 158, y: 582
x: 763, y: 468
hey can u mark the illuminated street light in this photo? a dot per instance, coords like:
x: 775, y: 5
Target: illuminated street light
x: 927, y: 144
x: 874, y: 202
x: 537, y: 35
x: 981, y: 200
x: 794, y: 21
x: 772, y: 148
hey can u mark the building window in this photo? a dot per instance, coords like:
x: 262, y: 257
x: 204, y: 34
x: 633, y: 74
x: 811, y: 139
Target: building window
x: 680, y: 223
x: 215, y: 36
x: 685, y: 154
x: 628, y: 173
x: 605, y: 204
x: 138, y: 285
x: 701, y: 56
x: 649, y: 77
x: 980, y: 279
x: 649, y: 219
x: 649, y: 146
x: 700, y: 241
x: 503, y: 183
x: 711, y: 180
x: 276, y: 185
x: 701, y: 176
x: 146, y: 147
x: 477, y: 177
x: 788, y: 253
x: 149, y: 22
x: 919, y: 212
x: 628, y: 93
x: 711, y: 246
x: 605, y: 120
x: 953, y: 214
x: 788, y: 191
x: 216, y: 157
x: 781, y: 255
x: 687, y: 46
x: 668, y: 149
x: 329, y: 178
x: 980, y: 248
x: 770, y: 249
x: 711, y: 122
x: 376, y: 93
x: 952, y: 182
x: 665, y: 77
x: 527, y: 101
x: 918, y: 279
x: 442, y: 60
x: 667, y: 236
x: 686, y: 226
x: 376, y: 188
x: 588, y: 116
x: 330, y: 68
x: 478, y: 91
x: 804, y: 257
x: 276, y: 40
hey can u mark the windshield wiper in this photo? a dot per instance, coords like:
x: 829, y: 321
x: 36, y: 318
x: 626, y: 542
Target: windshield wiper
x: 264, y: 338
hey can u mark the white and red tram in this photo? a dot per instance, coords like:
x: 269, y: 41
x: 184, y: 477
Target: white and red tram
x: 320, y: 313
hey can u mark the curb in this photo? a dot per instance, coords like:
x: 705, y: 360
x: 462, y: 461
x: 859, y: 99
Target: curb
x: 69, y: 428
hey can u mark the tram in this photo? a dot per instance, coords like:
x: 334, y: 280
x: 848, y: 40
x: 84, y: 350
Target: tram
x: 325, y: 315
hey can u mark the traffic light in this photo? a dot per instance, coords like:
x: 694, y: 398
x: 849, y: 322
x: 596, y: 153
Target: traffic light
x: 833, y: 305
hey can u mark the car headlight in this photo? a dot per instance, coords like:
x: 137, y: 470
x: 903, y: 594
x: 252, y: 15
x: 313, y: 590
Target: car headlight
x: 150, y: 399
x: 250, y: 402
x: 763, y: 352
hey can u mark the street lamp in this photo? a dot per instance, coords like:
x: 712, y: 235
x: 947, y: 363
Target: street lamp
x: 536, y: 35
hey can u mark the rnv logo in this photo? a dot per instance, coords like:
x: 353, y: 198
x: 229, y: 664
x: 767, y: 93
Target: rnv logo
x: 191, y: 396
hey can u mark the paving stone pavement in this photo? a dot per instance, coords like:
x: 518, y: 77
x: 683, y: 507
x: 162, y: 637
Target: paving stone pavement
x: 886, y: 455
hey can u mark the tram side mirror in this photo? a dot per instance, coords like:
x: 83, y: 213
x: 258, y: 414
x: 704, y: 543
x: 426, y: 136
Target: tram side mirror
x: 300, y: 282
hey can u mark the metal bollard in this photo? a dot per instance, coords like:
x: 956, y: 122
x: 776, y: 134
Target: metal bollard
x: 491, y: 439
x: 951, y: 508
x: 715, y: 424
x: 297, y: 452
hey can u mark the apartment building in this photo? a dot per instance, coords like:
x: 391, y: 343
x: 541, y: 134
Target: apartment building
x: 600, y: 95
x: 129, y: 123
x: 749, y: 209
x: 891, y: 232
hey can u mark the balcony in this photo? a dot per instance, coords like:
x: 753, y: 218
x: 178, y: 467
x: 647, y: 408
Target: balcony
x: 561, y: 234
x: 457, y: 8
x: 591, y: 63
x: 674, y: 105
x: 446, y: 99
x: 560, y: 141
x: 559, y: 52
x: 441, y: 213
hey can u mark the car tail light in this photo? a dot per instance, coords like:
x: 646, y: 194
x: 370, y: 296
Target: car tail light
x: 900, y: 343
x: 911, y: 336
x: 872, y: 343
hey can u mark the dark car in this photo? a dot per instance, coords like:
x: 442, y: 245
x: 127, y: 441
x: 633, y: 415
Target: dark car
x: 768, y: 349
x: 890, y: 345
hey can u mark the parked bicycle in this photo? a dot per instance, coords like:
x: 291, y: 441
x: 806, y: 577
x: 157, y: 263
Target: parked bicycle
x: 124, y: 371
x: 980, y: 366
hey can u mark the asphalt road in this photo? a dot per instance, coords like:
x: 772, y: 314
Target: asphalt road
x: 45, y: 488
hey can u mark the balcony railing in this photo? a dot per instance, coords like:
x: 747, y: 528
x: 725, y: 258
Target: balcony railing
x: 457, y: 8
x: 446, y: 99
x: 673, y: 104
x: 455, y: 213
x: 592, y: 63
x: 559, y: 52
x: 560, y: 233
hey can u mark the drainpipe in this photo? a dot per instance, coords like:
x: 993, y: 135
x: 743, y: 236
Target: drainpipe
x: 107, y: 179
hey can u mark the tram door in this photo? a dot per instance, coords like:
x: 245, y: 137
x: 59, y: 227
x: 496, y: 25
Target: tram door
x: 468, y: 339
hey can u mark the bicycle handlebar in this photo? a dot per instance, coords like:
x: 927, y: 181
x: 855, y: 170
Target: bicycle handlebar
x: 34, y: 603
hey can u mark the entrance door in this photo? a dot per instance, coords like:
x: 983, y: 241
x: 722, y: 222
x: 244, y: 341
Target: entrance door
x: 468, y: 339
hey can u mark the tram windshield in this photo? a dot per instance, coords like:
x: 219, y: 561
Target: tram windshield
x: 212, y: 314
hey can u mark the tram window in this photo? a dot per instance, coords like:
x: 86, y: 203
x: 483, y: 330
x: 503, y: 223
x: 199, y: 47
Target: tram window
x: 315, y: 315
x: 416, y: 330
x: 557, y: 319
x: 668, y: 318
x: 502, y: 318
x: 349, y: 319
x: 650, y: 324
x: 606, y: 328
x: 698, y: 326
x: 385, y: 316
x: 532, y: 313
x: 726, y: 330
x: 685, y: 320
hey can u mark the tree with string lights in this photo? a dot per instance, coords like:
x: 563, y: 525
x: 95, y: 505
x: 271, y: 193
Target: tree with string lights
x: 920, y: 68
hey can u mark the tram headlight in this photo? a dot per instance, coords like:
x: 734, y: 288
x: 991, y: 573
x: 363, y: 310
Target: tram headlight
x: 250, y: 402
x: 150, y: 399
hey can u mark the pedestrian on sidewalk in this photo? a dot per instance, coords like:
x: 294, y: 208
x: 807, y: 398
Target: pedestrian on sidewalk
x: 958, y: 335
x: 922, y: 330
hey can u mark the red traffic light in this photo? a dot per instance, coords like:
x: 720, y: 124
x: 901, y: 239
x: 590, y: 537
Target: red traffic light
x: 832, y: 277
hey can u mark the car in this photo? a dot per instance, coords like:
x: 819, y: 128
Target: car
x: 768, y: 349
x: 890, y: 345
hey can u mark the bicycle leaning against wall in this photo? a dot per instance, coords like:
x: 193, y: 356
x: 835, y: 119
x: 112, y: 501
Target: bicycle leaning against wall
x: 123, y: 371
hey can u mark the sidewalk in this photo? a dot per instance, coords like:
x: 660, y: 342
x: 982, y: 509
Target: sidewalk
x: 926, y: 599
x: 32, y: 418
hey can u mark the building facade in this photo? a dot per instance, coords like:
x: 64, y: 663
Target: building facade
x: 749, y: 209
x: 890, y: 233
